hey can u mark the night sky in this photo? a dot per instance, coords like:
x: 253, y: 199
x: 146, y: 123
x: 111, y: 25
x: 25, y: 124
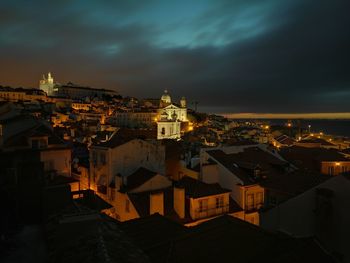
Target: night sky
x: 231, y: 55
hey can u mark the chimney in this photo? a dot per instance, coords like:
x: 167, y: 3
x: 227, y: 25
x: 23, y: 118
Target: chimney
x: 179, y: 201
x: 156, y: 203
x: 124, y: 180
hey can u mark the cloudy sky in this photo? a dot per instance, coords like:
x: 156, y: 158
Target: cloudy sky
x: 273, y: 56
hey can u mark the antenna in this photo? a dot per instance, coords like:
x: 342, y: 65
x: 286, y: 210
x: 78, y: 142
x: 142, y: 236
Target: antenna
x: 195, y: 105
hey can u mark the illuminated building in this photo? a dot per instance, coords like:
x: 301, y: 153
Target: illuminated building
x: 71, y: 90
x: 166, y: 106
x: 123, y: 154
x: 47, y: 85
x: 168, y: 128
x: 241, y: 169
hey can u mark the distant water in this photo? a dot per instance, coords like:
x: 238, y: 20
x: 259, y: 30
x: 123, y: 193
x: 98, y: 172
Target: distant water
x: 333, y: 127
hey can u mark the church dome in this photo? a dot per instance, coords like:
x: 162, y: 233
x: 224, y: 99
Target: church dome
x: 165, y: 99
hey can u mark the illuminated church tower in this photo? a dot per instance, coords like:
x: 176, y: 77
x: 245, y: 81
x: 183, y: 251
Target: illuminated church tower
x: 165, y: 100
x: 47, y: 84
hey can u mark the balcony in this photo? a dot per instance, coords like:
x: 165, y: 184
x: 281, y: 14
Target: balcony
x: 253, y: 207
x: 209, y: 212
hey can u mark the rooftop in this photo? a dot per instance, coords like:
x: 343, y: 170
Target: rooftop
x: 196, y: 189
x: 310, y: 158
x: 222, y: 239
x: 138, y: 178
x: 243, y: 164
x: 125, y: 135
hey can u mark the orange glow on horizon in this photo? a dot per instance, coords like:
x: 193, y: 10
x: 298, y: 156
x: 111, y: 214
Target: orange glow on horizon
x: 335, y: 115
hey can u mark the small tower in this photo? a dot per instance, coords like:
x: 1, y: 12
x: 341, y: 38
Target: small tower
x: 183, y: 102
x: 49, y: 78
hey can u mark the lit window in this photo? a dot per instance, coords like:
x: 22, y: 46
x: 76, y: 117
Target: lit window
x: 250, y: 201
x: 259, y: 199
x: 220, y: 202
x: 330, y: 170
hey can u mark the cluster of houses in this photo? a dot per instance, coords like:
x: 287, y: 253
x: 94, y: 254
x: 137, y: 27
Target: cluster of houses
x: 114, y: 168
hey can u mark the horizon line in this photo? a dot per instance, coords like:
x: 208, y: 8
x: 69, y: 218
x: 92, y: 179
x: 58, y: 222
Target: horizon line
x: 325, y: 115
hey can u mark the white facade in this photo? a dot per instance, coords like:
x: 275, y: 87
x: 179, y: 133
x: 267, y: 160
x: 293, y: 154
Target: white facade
x: 106, y: 162
x: 172, y: 110
x: 170, y: 117
x: 168, y: 130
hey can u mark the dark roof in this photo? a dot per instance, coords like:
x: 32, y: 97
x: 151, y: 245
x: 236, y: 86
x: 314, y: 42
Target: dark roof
x: 233, y: 142
x: 90, y: 237
x: 91, y: 200
x: 243, y: 164
x: 59, y: 180
x: 310, y: 158
x: 74, y: 86
x: 125, y: 135
x: 138, y: 178
x: 196, y: 189
x: 234, y: 240
x: 293, y: 183
x: 141, y: 201
x: 316, y: 140
x: 151, y: 230
x: 222, y: 239
x: 40, y: 130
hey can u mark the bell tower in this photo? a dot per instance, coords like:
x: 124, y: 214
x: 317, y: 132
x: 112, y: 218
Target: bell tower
x: 47, y: 84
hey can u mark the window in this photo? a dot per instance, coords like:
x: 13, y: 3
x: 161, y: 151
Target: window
x: 330, y: 170
x: 127, y: 206
x: 163, y: 131
x: 220, y: 202
x: 203, y: 205
x: 259, y: 199
x: 250, y: 201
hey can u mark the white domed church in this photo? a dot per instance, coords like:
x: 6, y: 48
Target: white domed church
x: 170, y: 117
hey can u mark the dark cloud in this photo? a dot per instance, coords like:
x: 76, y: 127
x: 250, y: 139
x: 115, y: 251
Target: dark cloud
x: 242, y: 56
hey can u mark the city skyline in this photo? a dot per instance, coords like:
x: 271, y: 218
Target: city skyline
x: 230, y: 56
